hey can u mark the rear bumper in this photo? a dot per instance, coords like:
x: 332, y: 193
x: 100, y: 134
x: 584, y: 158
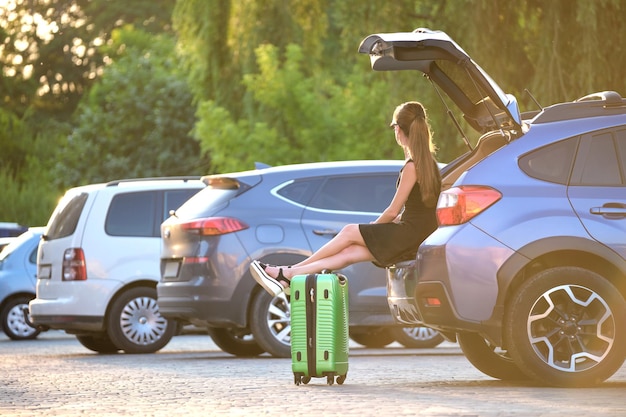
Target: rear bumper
x: 71, y: 324
x: 452, y: 285
x: 194, y: 302
x: 456, y: 287
x: 72, y: 305
x: 416, y: 303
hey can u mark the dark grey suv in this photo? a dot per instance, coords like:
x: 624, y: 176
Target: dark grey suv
x: 279, y: 215
x: 527, y: 269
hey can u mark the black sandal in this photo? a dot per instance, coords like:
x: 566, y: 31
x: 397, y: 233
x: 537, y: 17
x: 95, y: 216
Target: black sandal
x: 280, y: 278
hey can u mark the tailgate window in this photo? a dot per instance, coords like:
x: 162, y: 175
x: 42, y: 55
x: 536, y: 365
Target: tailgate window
x: 65, y: 217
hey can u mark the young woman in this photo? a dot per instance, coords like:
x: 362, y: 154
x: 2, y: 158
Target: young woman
x: 395, y: 235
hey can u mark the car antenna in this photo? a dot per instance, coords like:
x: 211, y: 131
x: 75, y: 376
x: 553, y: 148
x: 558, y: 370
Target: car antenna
x: 533, y: 98
x: 456, y: 123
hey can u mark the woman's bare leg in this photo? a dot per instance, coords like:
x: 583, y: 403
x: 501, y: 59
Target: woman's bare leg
x: 348, y: 256
x: 348, y: 236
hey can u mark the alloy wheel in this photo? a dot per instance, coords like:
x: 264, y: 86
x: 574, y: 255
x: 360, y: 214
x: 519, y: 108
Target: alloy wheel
x: 571, y: 328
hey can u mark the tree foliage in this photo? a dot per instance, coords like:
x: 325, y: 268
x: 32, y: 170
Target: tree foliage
x: 558, y: 50
x: 135, y: 121
x: 50, y: 52
x: 255, y: 80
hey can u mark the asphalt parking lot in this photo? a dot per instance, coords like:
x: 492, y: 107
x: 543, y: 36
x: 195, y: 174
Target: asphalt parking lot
x: 56, y: 376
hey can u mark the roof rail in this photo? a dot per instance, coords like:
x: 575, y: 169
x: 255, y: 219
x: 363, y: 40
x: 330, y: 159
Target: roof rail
x: 603, y: 103
x: 179, y: 178
x: 610, y: 97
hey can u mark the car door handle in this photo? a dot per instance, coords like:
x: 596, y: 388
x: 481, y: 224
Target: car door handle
x: 326, y: 232
x: 615, y: 210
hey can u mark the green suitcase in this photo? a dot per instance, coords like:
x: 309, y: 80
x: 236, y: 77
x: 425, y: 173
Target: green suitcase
x: 319, y: 327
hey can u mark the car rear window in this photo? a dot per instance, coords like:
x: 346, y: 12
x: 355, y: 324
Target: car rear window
x: 552, y: 163
x: 300, y: 191
x: 65, y: 217
x: 132, y: 214
x: 363, y: 193
x: 140, y: 214
x: 205, y: 202
x: 598, y: 162
x: 173, y: 199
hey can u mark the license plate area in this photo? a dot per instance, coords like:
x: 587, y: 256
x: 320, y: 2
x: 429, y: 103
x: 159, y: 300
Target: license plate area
x: 171, y: 269
x: 44, y: 272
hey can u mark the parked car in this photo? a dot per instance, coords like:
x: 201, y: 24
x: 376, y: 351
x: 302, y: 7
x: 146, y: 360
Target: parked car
x: 8, y: 229
x: 279, y: 215
x: 4, y: 241
x: 98, y: 264
x: 18, y: 273
x: 527, y: 269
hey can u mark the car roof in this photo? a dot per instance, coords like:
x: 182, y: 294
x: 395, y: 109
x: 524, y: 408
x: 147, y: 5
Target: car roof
x: 312, y: 168
x: 143, y: 183
x: 484, y: 104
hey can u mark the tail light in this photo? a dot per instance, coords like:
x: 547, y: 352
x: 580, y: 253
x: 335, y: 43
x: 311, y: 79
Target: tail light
x: 214, y: 226
x: 461, y: 204
x: 74, y: 267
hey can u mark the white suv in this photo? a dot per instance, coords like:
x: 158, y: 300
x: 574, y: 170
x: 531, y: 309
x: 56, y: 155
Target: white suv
x: 98, y: 264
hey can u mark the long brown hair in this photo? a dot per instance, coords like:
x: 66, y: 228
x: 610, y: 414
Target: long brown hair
x: 412, y: 120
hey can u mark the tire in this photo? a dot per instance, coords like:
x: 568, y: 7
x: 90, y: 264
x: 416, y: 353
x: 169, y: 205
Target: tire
x: 373, y: 337
x: 238, y: 342
x: 420, y: 337
x: 134, y: 323
x: 14, y: 324
x: 100, y: 343
x: 270, y: 323
x: 489, y: 360
x: 566, y: 327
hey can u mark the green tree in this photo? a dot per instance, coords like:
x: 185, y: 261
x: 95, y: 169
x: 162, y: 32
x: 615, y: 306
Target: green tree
x: 50, y: 52
x: 559, y: 50
x: 135, y: 121
x: 302, y: 118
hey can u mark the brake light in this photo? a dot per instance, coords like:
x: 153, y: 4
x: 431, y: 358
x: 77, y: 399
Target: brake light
x: 214, y: 226
x: 461, y: 204
x: 74, y: 266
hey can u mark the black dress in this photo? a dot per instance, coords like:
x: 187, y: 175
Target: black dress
x: 395, y: 242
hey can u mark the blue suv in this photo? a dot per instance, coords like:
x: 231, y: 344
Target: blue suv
x: 527, y: 270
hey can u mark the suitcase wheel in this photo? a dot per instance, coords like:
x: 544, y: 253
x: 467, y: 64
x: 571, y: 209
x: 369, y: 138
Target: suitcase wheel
x: 341, y: 379
x: 300, y: 379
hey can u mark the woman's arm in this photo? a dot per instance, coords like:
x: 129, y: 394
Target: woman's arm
x: 408, y: 177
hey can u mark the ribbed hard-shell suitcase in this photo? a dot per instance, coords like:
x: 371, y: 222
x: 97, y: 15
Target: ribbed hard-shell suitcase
x: 319, y: 327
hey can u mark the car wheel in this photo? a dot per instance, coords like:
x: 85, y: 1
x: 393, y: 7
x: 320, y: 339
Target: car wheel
x: 100, y: 343
x: 270, y: 322
x: 14, y: 324
x: 488, y: 359
x: 238, y: 342
x: 134, y: 323
x: 420, y: 337
x: 373, y: 337
x: 567, y: 327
